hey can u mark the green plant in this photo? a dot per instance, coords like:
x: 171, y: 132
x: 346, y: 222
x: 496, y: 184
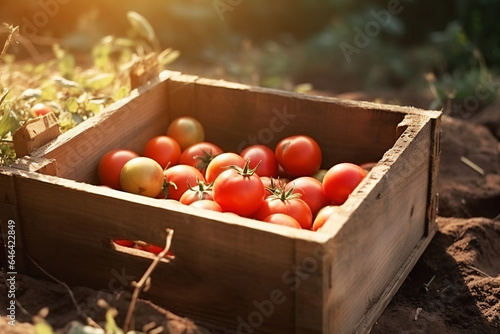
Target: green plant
x: 74, y: 92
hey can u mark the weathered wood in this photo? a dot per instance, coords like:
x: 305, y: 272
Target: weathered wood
x: 230, y: 272
x: 9, y: 220
x: 35, y: 133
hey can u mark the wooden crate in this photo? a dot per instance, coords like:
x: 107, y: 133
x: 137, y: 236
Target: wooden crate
x: 235, y: 274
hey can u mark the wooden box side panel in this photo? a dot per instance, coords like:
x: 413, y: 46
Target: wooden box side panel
x: 127, y: 124
x: 221, y: 273
x: 387, y: 221
x: 236, y: 116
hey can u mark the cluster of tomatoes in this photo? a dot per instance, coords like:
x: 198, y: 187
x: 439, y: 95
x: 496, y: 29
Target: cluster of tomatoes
x: 283, y: 186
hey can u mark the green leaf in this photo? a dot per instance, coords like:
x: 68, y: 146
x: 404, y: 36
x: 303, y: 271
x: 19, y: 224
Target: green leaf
x: 303, y: 88
x: 168, y: 56
x: 49, y: 91
x: 66, y: 121
x: 101, y: 53
x: 72, y: 104
x: 100, y: 81
x: 42, y: 326
x: 94, y: 108
x: 8, y: 123
x: 111, y: 326
x: 122, y: 92
x: 141, y: 25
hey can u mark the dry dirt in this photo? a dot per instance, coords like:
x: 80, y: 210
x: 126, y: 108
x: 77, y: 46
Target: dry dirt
x: 454, y: 287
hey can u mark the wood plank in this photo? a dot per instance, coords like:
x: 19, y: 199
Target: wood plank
x: 387, y: 238
x: 35, y: 133
x: 9, y: 217
x: 256, y: 116
x: 214, y: 254
x: 371, y: 316
x: 229, y: 270
x: 7, y: 188
x: 435, y: 151
x: 181, y: 96
x: 36, y: 164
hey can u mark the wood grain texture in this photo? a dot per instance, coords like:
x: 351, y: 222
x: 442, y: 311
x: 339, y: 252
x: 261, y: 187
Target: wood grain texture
x: 235, y: 272
x: 9, y: 212
x: 220, y: 273
x: 385, y: 221
x: 35, y: 133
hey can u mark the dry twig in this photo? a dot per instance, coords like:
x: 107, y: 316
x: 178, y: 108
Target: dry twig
x: 472, y: 165
x: 145, y: 281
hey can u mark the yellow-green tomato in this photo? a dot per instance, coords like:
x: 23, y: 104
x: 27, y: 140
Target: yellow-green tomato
x: 186, y: 131
x: 142, y: 176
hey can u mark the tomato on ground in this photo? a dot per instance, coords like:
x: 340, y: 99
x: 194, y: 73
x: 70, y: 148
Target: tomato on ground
x: 182, y: 176
x: 323, y: 215
x: 164, y: 150
x: 264, y: 157
x: 311, y: 191
x: 142, y: 176
x: 206, y: 205
x: 186, y: 131
x: 299, y: 155
x: 341, y: 180
x: 111, y: 165
x: 221, y: 163
x: 282, y: 219
x: 200, y: 155
x: 239, y: 190
x: 40, y: 109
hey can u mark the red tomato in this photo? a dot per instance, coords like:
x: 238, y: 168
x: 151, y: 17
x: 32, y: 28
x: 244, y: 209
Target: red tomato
x: 186, y: 131
x: 311, y: 191
x: 288, y: 205
x: 200, y: 155
x: 341, y: 180
x: 323, y: 216
x: 124, y: 242
x: 239, y: 190
x: 142, y: 176
x: 163, y: 150
x: 180, y: 175
x: 153, y: 249
x: 201, y: 191
x: 111, y: 165
x: 282, y: 219
x: 40, y: 109
x: 259, y: 153
x: 207, y: 205
x: 299, y: 155
x: 221, y: 163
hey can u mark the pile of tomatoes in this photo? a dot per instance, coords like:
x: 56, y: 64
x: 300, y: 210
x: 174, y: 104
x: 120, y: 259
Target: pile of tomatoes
x: 283, y: 185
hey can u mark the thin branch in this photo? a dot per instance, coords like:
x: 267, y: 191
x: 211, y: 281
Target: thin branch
x: 472, y: 165
x: 90, y: 321
x: 145, y: 281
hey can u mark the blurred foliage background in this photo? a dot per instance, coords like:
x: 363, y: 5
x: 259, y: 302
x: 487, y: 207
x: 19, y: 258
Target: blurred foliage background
x: 446, y: 49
